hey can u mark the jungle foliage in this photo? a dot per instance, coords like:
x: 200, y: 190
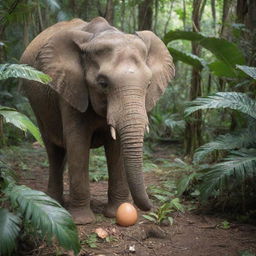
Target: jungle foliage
x: 20, y: 205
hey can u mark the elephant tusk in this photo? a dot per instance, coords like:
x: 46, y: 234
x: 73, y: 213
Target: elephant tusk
x: 113, y: 132
x: 147, y: 129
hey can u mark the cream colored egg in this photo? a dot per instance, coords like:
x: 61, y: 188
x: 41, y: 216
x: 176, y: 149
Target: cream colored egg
x: 126, y: 215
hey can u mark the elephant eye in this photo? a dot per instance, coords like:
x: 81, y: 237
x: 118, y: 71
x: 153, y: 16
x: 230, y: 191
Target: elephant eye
x: 102, y: 81
x: 103, y: 84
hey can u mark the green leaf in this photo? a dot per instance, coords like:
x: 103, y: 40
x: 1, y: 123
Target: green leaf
x: 185, y: 35
x: 227, y: 53
x: 184, y: 182
x: 149, y: 218
x: 23, y: 71
x: 224, y: 50
x: 246, y: 253
x: 171, y: 220
x: 9, y: 231
x: 240, y: 164
x: 187, y: 58
x: 45, y: 214
x: 153, y: 214
x: 233, y: 100
x: 235, y: 140
x: 250, y: 71
x: 221, y: 69
x: 20, y: 121
x: 177, y: 205
x: 161, y: 198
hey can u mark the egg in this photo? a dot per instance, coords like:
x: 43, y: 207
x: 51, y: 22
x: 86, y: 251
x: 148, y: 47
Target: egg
x: 126, y: 215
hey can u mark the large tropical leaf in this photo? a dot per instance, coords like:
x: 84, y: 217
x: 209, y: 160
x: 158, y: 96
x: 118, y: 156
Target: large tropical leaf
x: 187, y: 58
x: 239, y: 164
x: 221, y: 69
x: 9, y: 231
x: 184, y: 35
x: 250, y: 71
x: 224, y: 50
x: 23, y: 71
x: 227, y: 53
x: 45, y: 214
x: 20, y: 121
x: 229, y: 141
x: 233, y: 100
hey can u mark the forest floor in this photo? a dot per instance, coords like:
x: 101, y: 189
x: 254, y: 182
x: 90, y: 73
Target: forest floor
x: 191, y: 234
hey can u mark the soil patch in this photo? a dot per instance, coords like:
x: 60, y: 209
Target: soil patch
x: 191, y: 234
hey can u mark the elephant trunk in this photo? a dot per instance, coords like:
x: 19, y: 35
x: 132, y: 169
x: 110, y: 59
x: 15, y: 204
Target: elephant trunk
x: 131, y: 133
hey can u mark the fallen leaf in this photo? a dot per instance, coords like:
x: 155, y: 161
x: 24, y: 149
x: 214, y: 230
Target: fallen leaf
x: 101, y: 233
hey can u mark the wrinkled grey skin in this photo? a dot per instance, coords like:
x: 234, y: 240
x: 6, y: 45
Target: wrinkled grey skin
x: 104, y: 82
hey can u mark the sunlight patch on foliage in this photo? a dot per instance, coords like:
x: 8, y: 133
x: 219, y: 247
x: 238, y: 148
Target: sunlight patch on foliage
x: 23, y: 71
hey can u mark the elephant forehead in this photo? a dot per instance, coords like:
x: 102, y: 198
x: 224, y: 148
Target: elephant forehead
x: 116, y: 41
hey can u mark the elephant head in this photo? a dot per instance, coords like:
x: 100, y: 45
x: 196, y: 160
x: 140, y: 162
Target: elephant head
x: 120, y: 75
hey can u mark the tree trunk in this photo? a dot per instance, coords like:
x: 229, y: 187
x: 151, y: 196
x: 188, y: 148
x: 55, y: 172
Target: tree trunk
x: 145, y: 15
x: 193, y: 136
x: 156, y: 15
x: 246, y: 10
x: 122, y: 14
x: 110, y: 11
x: 169, y: 17
x: 184, y: 15
x: 26, y: 33
x: 213, y: 14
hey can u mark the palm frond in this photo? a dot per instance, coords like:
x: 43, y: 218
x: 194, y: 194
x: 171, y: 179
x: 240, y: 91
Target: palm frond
x: 45, y: 214
x: 53, y: 4
x: 20, y: 121
x: 242, y: 139
x: 233, y: 100
x: 23, y: 71
x: 9, y: 231
x: 172, y: 123
x: 250, y: 71
x: 239, y: 164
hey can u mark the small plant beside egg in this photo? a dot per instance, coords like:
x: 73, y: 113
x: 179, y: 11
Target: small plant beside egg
x: 167, y: 201
x: 162, y: 213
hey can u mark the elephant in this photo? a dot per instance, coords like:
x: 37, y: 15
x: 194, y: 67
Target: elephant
x: 104, y: 83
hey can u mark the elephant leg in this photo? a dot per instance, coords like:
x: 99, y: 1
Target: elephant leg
x: 118, y: 191
x: 78, y: 161
x: 56, y: 157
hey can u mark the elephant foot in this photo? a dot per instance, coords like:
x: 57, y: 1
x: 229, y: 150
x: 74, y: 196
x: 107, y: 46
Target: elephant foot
x: 110, y: 210
x: 82, y: 215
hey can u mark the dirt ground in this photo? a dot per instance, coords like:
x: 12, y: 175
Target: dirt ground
x: 191, y: 234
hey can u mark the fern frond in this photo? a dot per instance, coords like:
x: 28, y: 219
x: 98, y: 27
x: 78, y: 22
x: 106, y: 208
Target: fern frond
x: 239, y: 164
x: 9, y: 231
x: 53, y: 4
x: 172, y: 123
x: 250, y: 71
x: 45, y: 214
x: 23, y: 71
x: 233, y: 100
x: 20, y: 121
x: 242, y: 139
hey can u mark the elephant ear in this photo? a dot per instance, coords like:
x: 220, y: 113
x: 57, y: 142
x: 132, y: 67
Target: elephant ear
x: 60, y: 58
x: 160, y: 62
